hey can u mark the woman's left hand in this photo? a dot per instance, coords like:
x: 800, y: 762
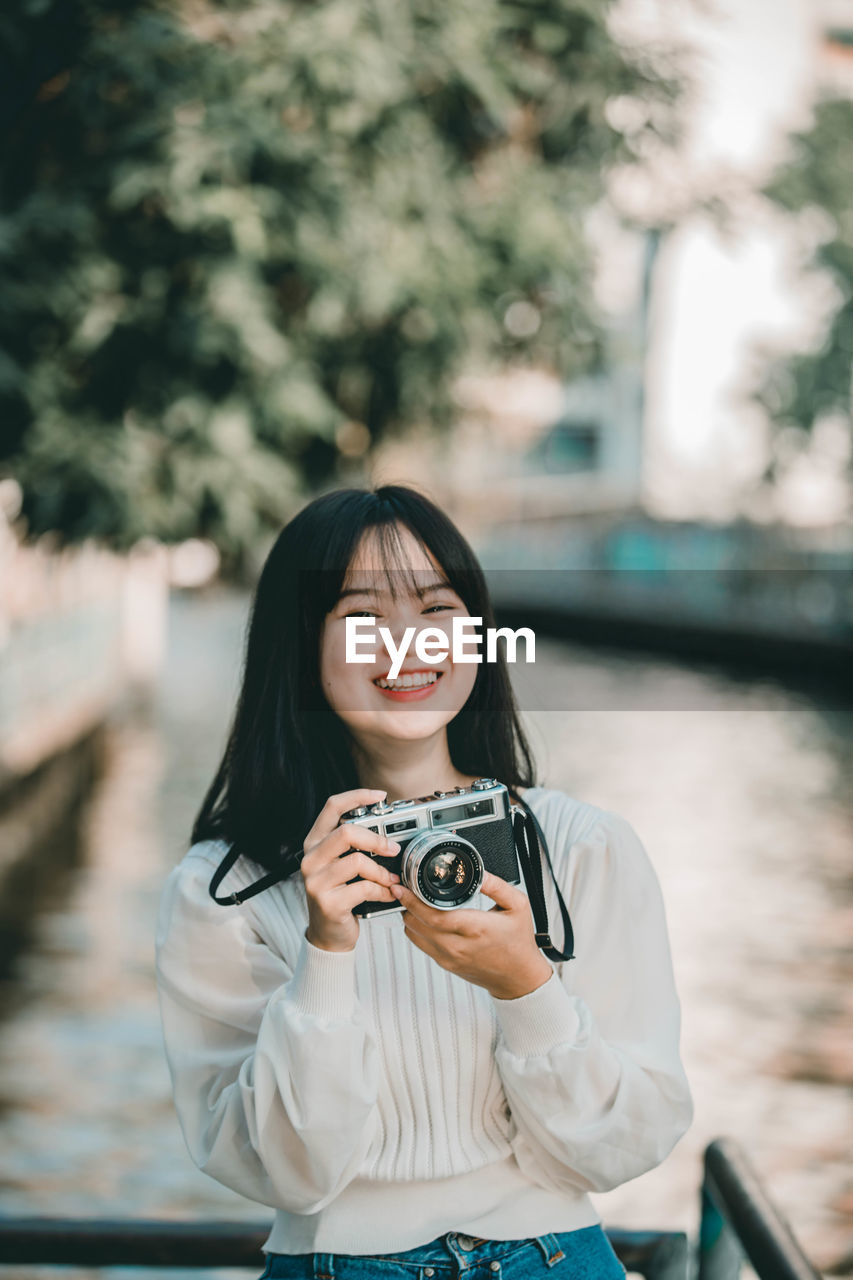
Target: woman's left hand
x: 494, y: 949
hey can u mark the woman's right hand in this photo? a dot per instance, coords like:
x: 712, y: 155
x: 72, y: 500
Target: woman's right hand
x: 328, y: 865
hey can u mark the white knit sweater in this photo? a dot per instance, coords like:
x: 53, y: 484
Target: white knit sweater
x: 375, y: 1101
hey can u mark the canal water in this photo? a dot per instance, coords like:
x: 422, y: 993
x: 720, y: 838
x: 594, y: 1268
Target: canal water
x: 741, y: 794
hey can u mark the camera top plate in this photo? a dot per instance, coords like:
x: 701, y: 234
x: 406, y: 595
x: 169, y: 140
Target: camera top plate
x: 489, y: 799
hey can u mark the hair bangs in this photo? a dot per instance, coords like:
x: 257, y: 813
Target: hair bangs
x: 383, y: 545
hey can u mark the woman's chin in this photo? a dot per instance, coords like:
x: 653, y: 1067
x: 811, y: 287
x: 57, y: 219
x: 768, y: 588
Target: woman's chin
x: 406, y: 724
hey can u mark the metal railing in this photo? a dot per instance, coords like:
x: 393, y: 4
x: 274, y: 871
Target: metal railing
x: 657, y: 1255
x: 738, y: 1220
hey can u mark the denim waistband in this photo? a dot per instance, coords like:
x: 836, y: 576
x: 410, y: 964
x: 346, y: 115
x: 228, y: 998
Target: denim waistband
x: 455, y: 1249
x: 584, y: 1252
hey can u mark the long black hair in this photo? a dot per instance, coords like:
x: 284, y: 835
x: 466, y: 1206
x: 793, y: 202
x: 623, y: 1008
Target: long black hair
x: 287, y: 751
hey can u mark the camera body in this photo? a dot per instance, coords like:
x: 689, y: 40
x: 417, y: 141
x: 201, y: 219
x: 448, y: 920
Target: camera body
x: 447, y: 841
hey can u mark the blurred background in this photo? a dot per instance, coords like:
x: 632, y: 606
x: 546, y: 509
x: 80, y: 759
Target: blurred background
x: 581, y: 271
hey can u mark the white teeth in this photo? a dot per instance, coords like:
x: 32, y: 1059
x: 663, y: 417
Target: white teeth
x: 416, y: 681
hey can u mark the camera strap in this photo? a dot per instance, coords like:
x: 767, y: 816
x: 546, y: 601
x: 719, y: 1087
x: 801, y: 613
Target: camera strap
x: 241, y: 895
x: 530, y: 844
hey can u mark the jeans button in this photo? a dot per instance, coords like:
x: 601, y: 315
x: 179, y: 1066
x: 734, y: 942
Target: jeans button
x: 428, y: 1271
x: 465, y: 1242
x: 494, y: 1266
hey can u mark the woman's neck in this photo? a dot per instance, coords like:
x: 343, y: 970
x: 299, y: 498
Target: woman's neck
x: 409, y: 769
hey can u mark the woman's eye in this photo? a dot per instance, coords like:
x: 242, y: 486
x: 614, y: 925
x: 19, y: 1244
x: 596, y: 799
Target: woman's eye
x: 361, y: 613
x: 439, y: 606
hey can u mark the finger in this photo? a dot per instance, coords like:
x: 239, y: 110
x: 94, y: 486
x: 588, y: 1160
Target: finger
x: 349, y: 836
x: 342, y: 870
x: 335, y: 807
x: 458, y: 921
x: 506, y: 896
x: 350, y: 895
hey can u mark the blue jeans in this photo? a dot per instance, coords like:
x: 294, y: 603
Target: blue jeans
x: 584, y: 1254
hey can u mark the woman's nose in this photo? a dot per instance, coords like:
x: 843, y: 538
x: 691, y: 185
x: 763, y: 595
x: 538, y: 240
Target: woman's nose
x: 400, y: 621
x: 403, y: 618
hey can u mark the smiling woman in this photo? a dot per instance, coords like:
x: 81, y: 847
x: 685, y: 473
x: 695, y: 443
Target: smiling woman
x: 359, y: 692
x: 288, y: 748
x: 421, y: 1090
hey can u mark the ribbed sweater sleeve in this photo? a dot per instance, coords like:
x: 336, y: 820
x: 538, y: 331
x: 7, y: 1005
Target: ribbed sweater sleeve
x: 590, y: 1060
x: 274, y: 1073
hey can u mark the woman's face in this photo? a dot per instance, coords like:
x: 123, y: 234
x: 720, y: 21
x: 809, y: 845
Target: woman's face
x: 424, y: 697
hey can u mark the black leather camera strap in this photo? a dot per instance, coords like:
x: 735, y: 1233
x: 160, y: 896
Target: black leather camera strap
x: 530, y: 844
x: 240, y: 895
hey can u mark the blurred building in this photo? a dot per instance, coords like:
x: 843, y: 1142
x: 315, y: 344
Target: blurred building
x: 528, y: 447
x: 668, y: 427
x: 597, y: 442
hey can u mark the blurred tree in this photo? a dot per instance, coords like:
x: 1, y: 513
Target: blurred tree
x: 240, y: 241
x: 817, y: 177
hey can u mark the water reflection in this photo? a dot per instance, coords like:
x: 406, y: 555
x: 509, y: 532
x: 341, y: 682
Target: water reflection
x: 747, y: 812
x: 744, y: 804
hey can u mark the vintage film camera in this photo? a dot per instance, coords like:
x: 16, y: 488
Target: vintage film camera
x: 447, y: 841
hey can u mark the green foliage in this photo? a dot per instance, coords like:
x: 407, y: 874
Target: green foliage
x: 818, y: 176
x: 229, y: 231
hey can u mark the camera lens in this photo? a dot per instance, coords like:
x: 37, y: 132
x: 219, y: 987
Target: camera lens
x: 443, y: 870
x: 447, y: 875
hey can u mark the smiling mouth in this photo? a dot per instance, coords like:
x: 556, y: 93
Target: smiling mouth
x: 411, y: 680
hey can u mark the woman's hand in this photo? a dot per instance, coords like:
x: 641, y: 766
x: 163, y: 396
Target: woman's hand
x: 494, y: 949
x: 327, y: 867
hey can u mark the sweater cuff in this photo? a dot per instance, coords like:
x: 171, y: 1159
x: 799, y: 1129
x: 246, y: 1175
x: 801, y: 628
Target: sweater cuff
x: 323, y: 983
x: 540, y: 1021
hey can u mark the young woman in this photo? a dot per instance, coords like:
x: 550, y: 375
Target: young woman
x: 420, y: 1093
